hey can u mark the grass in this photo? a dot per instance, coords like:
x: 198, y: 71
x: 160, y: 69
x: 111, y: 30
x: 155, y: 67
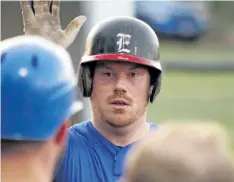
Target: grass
x: 200, y: 96
x: 198, y: 52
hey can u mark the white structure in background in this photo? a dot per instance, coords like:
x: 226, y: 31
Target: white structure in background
x: 100, y: 10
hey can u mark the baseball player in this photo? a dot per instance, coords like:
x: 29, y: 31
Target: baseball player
x: 121, y: 74
x: 38, y: 90
x: 182, y: 152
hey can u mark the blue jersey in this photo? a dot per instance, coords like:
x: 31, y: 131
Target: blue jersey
x: 90, y: 157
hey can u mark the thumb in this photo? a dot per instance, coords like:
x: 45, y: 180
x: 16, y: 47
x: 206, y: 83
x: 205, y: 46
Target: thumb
x: 73, y: 28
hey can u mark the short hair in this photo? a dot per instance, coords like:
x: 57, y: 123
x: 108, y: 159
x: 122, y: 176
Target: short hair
x: 182, y: 152
x: 18, y: 146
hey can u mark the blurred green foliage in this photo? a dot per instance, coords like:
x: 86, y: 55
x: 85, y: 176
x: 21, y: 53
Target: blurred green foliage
x: 196, y: 96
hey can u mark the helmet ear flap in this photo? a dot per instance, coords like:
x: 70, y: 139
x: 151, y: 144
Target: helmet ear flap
x: 155, y: 89
x: 85, y: 80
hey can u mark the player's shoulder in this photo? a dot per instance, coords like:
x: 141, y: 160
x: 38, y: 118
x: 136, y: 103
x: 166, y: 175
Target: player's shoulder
x: 154, y: 126
x: 79, y: 128
x: 80, y: 131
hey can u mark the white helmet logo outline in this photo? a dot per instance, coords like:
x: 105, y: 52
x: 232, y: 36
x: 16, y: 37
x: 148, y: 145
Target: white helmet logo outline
x: 124, y: 39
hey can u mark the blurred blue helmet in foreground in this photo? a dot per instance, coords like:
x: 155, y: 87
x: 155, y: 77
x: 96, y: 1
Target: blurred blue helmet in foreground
x: 38, y: 88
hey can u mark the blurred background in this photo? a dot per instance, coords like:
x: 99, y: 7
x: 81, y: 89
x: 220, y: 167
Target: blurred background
x: 197, y: 52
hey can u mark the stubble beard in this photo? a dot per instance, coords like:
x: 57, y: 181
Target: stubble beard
x: 120, y: 119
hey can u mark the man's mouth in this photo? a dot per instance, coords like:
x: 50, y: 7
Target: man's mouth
x: 119, y: 102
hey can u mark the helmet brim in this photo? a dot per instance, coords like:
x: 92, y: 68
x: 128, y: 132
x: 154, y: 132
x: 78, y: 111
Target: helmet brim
x: 122, y: 57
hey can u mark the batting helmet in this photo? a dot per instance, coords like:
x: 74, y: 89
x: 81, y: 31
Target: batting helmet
x: 121, y: 39
x: 38, y: 88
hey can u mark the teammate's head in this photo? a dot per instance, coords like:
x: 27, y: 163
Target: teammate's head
x: 182, y: 152
x: 121, y: 61
x: 38, y: 90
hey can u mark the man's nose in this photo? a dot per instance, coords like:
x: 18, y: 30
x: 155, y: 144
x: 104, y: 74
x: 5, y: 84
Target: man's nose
x: 121, y: 84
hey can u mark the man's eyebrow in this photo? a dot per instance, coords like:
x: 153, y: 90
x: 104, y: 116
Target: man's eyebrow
x: 136, y: 66
x: 131, y: 67
x: 103, y: 65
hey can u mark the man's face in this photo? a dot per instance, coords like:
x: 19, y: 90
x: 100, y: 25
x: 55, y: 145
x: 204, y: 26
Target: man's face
x: 120, y: 92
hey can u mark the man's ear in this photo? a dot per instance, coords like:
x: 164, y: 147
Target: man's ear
x: 61, y: 135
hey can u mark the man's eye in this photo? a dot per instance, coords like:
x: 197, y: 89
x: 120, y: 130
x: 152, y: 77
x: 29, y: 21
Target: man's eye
x: 107, y: 73
x: 133, y: 74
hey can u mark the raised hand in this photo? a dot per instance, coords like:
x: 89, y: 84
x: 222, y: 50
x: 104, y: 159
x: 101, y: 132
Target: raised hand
x: 45, y: 21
